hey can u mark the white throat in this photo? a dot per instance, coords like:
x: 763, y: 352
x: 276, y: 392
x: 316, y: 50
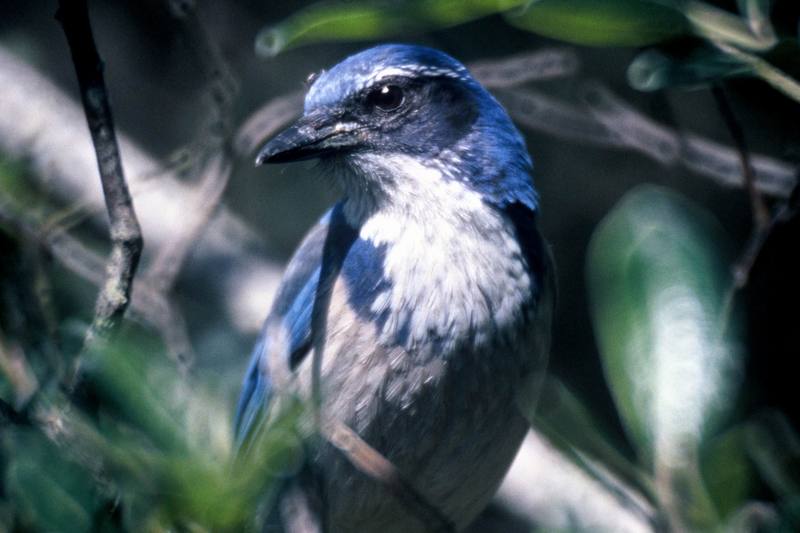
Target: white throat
x: 453, y: 261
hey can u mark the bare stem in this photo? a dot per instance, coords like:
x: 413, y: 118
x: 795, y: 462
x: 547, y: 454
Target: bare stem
x: 370, y: 462
x: 760, y: 211
x: 126, y: 236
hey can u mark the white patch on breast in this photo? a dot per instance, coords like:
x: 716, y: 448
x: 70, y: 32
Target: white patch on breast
x: 455, y: 266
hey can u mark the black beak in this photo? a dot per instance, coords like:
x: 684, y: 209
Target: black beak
x: 311, y: 136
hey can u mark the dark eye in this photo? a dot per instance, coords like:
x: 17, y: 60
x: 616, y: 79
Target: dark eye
x: 386, y: 97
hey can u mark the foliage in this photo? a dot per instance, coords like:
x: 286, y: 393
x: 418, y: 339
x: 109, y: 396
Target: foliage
x: 697, y: 42
x: 673, y: 361
x: 135, y: 446
x: 139, y: 450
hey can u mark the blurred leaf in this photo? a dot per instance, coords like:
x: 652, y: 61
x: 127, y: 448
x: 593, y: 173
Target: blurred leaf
x: 757, y: 12
x: 716, y: 24
x: 754, y: 516
x: 120, y: 377
x: 363, y: 20
x: 726, y: 470
x: 13, y: 184
x: 789, y: 515
x: 775, y: 448
x: 602, y: 22
x: 53, y: 494
x: 764, y: 70
x: 652, y: 69
x: 151, y: 443
x: 657, y: 284
x: 568, y: 424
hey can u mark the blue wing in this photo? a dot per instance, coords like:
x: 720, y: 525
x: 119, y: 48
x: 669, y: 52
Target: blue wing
x: 293, y: 309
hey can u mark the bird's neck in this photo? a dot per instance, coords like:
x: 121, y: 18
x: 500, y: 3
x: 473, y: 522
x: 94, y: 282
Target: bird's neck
x: 405, y: 188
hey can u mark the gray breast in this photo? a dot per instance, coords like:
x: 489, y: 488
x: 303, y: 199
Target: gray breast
x: 451, y: 425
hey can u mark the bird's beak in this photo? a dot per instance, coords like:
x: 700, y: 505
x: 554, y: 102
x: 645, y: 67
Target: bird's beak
x: 311, y: 136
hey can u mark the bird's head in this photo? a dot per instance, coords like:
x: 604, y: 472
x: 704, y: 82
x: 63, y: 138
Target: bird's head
x: 401, y: 118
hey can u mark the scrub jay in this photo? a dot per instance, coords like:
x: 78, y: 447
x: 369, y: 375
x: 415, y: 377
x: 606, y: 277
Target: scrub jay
x: 427, y: 291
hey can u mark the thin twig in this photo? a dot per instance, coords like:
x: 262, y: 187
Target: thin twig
x: 370, y: 462
x: 147, y: 304
x: 220, y: 89
x: 763, y: 223
x: 758, y: 238
x: 126, y: 236
x: 760, y: 210
x: 14, y: 366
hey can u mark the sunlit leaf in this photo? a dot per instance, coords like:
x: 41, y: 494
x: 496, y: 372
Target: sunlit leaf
x: 716, y: 24
x: 657, y: 283
x: 652, y: 69
x: 764, y: 70
x: 601, y: 22
x: 364, y: 20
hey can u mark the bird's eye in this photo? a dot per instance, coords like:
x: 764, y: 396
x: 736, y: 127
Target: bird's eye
x: 386, y: 97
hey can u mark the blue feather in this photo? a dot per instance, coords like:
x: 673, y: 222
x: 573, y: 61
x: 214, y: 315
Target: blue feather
x: 320, y: 255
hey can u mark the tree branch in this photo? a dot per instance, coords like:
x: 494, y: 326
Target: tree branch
x: 370, y: 462
x: 761, y: 214
x: 126, y: 236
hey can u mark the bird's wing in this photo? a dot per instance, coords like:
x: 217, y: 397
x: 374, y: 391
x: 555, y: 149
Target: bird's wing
x: 291, y: 314
x: 542, y: 267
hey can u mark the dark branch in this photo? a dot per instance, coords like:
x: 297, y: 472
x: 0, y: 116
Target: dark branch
x: 763, y: 222
x: 126, y: 236
x: 760, y: 211
x: 147, y: 304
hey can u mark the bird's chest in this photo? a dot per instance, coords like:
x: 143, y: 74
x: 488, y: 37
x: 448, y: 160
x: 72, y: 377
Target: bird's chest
x: 451, y: 426
x: 425, y: 362
x: 436, y: 285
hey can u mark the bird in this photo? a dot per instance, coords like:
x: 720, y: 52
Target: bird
x: 419, y: 307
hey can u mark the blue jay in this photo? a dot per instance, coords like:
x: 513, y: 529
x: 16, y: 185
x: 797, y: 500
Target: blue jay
x: 426, y: 292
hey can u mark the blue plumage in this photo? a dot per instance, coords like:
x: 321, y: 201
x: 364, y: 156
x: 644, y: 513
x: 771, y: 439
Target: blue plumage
x: 427, y: 288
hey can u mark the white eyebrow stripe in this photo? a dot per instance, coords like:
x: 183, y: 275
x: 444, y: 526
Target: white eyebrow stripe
x: 342, y: 127
x: 413, y: 69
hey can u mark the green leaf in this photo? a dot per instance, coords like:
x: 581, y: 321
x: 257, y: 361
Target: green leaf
x: 602, y: 22
x: 52, y: 493
x: 718, y: 25
x: 652, y: 69
x: 124, y: 381
x: 761, y: 68
x: 365, y: 20
x: 774, y: 446
x: 726, y: 470
x: 657, y: 285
